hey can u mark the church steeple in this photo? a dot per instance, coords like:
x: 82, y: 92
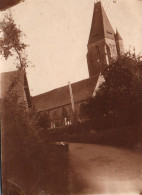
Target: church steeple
x: 101, y: 27
x: 101, y: 44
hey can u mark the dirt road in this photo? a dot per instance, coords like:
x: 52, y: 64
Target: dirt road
x: 101, y: 169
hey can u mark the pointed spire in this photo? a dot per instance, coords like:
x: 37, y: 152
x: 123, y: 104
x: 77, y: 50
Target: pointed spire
x: 117, y: 35
x: 101, y: 27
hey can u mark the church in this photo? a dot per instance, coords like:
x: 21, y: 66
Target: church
x: 61, y: 105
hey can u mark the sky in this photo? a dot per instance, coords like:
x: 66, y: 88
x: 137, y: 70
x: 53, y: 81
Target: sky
x: 57, y: 32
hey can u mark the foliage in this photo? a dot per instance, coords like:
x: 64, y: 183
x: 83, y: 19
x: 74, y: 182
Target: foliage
x: 16, y: 116
x: 43, y: 120
x: 29, y: 159
x: 121, y: 93
x: 11, y: 41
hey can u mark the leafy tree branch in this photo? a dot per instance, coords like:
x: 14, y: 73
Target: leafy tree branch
x: 11, y: 40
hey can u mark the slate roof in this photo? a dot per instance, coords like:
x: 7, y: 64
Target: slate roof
x: 101, y: 27
x: 82, y: 90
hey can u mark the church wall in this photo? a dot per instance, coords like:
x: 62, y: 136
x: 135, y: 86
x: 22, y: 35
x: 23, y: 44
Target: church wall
x: 56, y: 116
x: 99, y: 54
x: 81, y: 110
x: 96, y: 57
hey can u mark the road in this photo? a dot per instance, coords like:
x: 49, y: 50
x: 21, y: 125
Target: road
x: 99, y: 169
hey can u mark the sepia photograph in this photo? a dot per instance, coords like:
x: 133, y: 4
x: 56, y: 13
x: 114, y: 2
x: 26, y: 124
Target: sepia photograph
x: 71, y: 97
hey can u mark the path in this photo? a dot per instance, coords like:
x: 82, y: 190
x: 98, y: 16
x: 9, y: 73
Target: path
x: 102, y: 169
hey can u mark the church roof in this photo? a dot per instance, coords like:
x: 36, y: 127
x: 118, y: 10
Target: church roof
x: 101, y: 27
x: 82, y: 90
x: 117, y: 35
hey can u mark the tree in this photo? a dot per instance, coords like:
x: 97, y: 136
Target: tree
x: 27, y: 158
x: 11, y: 41
x: 20, y: 137
x: 121, y: 93
x: 43, y: 120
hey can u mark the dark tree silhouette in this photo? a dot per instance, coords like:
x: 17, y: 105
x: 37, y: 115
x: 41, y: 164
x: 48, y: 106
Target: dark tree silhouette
x: 121, y: 93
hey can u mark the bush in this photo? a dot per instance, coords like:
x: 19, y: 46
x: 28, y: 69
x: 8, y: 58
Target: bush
x: 120, y: 96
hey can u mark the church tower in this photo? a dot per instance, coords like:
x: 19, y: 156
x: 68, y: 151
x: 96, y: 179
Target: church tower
x: 101, y: 44
x: 119, y: 43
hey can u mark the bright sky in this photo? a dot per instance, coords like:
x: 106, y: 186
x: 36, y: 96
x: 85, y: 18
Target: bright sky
x: 58, y: 32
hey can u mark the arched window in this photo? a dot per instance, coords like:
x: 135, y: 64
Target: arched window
x: 82, y: 110
x: 114, y: 50
x: 55, y: 115
x: 111, y: 50
x: 64, y: 113
x: 108, y: 53
x: 64, y: 116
